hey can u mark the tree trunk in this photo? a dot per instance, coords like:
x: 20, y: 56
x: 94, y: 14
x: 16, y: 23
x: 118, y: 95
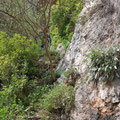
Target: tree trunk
x: 49, y: 56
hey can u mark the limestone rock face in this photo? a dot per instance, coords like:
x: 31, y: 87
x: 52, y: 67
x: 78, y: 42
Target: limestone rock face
x: 98, y: 26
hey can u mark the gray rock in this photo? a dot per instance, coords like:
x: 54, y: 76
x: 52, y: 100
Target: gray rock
x: 101, y: 29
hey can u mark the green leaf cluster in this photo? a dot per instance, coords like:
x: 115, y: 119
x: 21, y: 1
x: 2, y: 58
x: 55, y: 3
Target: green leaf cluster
x: 69, y: 72
x: 18, y: 72
x: 18, y: 57
x: 60, y: 98
x: 9, y: 108
x: 104, y: 64
x: 63, y: 19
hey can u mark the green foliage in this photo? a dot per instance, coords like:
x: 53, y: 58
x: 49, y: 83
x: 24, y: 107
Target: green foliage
x: 24, y: 80
x: 18, y: 58
x: 58, y: 73
x: 55, y: 55
x: 63, y: 19
x: 65, y: 43
x: 59, y: 98
x: 8, y: 106
x: 56, y: 38
x: 24, y: 70
x: 36, y: 94
x: 104, y: 65
x: 64, y: 15
x: 53, y: 52
x: 69, y: 72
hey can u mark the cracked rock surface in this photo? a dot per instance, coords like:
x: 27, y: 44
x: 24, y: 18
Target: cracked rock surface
x: 98, y: 26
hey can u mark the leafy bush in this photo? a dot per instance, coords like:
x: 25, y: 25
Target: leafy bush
x: 18, y: 57
x: 36, y: 94
x: 65, y: 43
x: 18, y: 71
x: 63, y: 19
x: 9, y: 109
x: 104, y: 65
x: 67, y: 12
x: 24, y: 78
x: 56, y: 38
x: 69, y: 72
x: 58, y: 72
x: 60, y: 98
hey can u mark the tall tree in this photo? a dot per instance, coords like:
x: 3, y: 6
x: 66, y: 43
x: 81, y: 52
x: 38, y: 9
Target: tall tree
x: 27, y: 17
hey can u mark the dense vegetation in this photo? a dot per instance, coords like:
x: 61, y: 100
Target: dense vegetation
x: 104, y: 64
x: 63, y: 19
x: 26, y: 85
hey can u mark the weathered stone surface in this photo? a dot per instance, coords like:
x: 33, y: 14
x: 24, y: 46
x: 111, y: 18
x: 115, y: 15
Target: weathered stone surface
x: 98, y: 26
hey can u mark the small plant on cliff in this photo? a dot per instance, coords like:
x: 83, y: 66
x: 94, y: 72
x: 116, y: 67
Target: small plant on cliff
x: 71, y: 75
x: 104, y: 65
x: 69, y: 72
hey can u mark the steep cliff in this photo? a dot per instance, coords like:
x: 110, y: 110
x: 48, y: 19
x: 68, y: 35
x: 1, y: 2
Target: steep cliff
x: 98, y: 26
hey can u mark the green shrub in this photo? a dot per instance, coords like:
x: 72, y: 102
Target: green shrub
x: 55, y: 55
x: 17, y: 56
x: 104, y: 65
x: 19, y: 76
x: 65, y: 43
x: 59, y: 98
x: 67, y: 12
x: 36, y: 94
x: 58, y: 73
x: 9, y: 109
x: 69, y: 72
x: 18, y: 65
x: 56, y: 38
x: 53, y: 51
x: 63, y: 19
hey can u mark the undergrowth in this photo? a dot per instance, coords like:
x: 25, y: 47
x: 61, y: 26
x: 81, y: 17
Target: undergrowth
x: 56, y: 102
x: 25, y: 82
